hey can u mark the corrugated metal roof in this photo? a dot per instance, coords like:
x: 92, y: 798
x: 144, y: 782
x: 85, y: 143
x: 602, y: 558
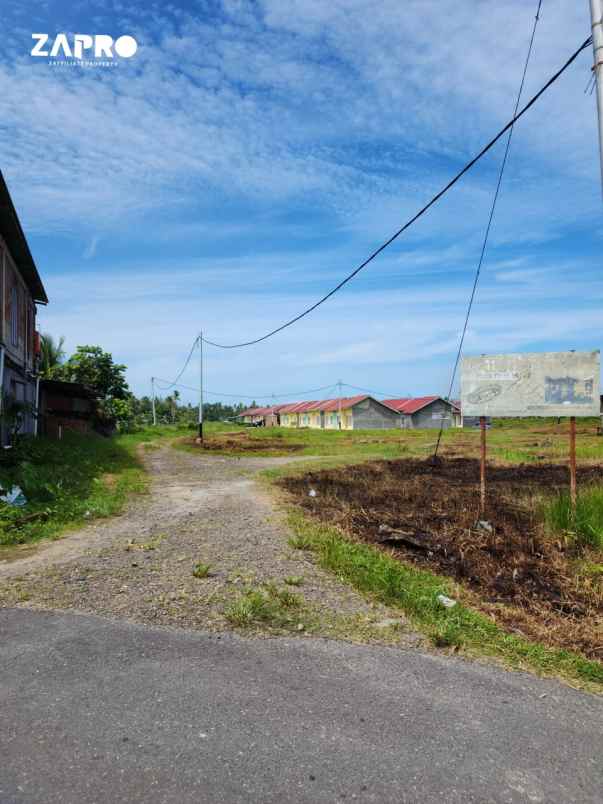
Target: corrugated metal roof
x: 345, y: 402
x: 410, y: 405
x: 298, y: 407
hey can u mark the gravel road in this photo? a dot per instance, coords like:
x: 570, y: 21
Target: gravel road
x: 200, y: 508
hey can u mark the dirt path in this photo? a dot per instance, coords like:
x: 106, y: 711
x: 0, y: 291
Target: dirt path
x: 206, y: 509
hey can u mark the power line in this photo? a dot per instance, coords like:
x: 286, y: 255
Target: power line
x: 184, y: 367
x: 370, y: 391
x: 243, y: 396
x: 419, y: 214
x: 490, y: 220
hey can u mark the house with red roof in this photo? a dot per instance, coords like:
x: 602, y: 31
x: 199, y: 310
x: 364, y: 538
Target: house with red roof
x: 426, y: 412
x: 361, y: 412
x: 341, y: 413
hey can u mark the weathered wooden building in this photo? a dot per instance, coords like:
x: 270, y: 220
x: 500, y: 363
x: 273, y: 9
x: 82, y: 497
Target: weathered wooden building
x: 65, y: 406
x: 21, y: 289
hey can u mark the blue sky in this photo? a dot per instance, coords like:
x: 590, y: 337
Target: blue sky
x: 252, y: 153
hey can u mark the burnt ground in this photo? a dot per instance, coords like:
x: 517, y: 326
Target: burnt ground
x: 428, y: 514
x: 241, y: 442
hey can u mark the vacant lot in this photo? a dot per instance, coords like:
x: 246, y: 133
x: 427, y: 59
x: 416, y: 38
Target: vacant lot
x: 514, y: 441
x: 531, y: 578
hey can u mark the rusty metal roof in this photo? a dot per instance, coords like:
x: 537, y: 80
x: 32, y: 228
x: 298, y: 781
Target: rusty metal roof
x: 410, y: 405
x: 298, y: 407
x: 344, y: 402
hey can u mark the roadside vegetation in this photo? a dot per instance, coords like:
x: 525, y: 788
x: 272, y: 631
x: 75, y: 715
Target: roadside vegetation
x: 72, y: 481
x: 415, y: 591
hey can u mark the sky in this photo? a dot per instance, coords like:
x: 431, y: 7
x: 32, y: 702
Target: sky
x: 250, y: 154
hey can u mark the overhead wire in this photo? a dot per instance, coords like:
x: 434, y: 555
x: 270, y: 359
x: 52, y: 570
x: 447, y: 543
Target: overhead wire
x: 184, y: 367
x: 509, y: 126
x: 158, y: 381
x: 374, y: 393
x: 490, y: 220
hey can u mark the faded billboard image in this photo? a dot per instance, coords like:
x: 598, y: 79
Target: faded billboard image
x: 531, y: 384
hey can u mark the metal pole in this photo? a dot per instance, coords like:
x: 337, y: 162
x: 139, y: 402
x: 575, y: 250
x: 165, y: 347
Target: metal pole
x: 482, y: 467
x: 153, y: 400
x: 596, y: 13
x: 201, y: 386
x: 572, y: 456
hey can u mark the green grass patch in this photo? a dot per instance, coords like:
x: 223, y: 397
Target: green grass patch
x: 67, y: 482
x: 72, y: 481
x: 201, y: 570
x: 586, y: 526
x: 266, y: 604
x: 415, y: 591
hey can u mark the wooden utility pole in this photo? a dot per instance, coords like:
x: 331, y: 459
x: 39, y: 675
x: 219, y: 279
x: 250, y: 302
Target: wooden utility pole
x: 482, y: 465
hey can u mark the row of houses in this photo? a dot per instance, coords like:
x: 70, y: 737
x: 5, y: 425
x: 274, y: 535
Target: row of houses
x: 359, y: 412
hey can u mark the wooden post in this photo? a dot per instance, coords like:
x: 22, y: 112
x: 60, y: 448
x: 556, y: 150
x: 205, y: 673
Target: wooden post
x: 572, y: 462
x: 482, y: 468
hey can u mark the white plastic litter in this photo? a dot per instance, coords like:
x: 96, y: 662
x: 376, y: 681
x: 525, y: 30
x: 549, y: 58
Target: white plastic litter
x: 447, y: 602
x: 312, y: 493
x: 14, y: 497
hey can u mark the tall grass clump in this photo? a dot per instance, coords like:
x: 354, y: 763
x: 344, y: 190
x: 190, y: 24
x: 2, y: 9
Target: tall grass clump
x: 586, y: 527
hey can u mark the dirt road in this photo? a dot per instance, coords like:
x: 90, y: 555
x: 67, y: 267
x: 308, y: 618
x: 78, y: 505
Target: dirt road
x: 206, y: 509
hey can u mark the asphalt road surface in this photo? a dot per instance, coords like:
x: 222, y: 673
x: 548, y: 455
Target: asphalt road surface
x: 95, y: 710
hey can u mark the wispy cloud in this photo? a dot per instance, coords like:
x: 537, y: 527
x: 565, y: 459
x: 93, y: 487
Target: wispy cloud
x: 253, y: 152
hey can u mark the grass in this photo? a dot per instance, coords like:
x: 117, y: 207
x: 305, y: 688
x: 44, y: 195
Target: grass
x: 72, y: 481
x: 509, y: 441
x: 201, y: 570
x: 415, y: 592
x: 586, y: 526
x: 266, y: 604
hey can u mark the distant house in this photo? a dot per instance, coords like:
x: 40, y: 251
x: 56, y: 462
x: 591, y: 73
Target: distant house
x: 265, y: 417
x: 21, y: 289
x: 344, y: 413
x: 65, y: 406
x: 426, y: 412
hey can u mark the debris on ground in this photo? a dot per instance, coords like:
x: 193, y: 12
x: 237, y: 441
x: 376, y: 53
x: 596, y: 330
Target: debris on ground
x: 447, y: 602
x: 14, y: 497
x: 429, y: 514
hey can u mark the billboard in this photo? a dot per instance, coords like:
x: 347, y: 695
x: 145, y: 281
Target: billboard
x: 537, y: 384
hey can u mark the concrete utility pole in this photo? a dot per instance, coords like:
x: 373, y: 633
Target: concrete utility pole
x: 153, y: 400
x: 201, y: 386
x: 596, y: 11
x: 339, y: 405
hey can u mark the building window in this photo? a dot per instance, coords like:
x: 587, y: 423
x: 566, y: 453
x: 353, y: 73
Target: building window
x: 14, y: 316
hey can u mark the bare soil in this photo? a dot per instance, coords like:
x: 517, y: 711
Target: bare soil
x: 200, y: 509
x: 428, y: 514
x: 242, y: 442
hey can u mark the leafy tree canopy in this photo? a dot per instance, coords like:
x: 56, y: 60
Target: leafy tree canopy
x: 93, y: 367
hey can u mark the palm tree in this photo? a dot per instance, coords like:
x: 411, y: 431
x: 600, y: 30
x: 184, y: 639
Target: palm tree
x: 52, y: 354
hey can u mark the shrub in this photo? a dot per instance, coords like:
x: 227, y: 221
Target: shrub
x: 586, y: 527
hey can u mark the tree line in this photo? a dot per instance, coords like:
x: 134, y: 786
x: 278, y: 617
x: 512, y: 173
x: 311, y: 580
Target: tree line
x: 93, y: 367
